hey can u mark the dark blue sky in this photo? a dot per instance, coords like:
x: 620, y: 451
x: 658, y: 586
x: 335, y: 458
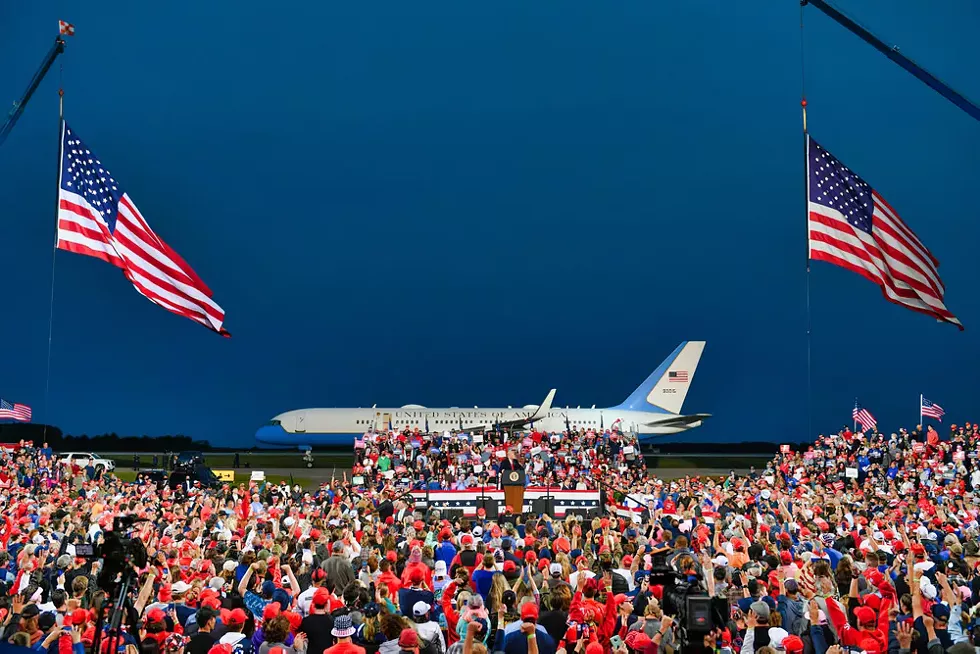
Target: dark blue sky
x: 453, y: 203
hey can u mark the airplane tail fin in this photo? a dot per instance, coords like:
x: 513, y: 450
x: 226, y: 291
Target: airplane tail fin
x: 666, y: 387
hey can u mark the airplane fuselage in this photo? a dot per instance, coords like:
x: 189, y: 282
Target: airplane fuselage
x: 339, y: 427
x: 653, y: 409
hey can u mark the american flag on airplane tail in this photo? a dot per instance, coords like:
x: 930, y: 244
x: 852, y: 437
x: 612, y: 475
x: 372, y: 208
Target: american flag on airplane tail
x: 677, y: 376
x: 466, y: 500
x: 850, y: 225
x: 97, y: 218
x: 19, y: 412
x: 932, y: 410
x: 864, y: 418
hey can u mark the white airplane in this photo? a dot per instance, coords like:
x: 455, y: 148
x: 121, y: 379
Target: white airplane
x: 653, y: 409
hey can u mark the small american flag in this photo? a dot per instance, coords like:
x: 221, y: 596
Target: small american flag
x: 66, y: 28
x: 932, y: 410
x: 97, y: 218
x: 9, y: 411
x: 677, y: 376
x: 864, y: 417
x: 852, y: 226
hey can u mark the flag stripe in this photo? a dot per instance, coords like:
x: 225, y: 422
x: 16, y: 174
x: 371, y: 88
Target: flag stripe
x: 888, y: 209
x: 895, y: 287
x: 932, y: 410
x: 13, y: 411
x: 155, y: 277
x: 835, y: 231
x: 864, y: 418
x: 896, y: 246
x: 893, y: 293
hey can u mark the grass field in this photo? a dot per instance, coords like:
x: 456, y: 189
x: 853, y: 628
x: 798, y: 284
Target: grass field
x: 278, y: 466
x: 242, y: 476
x: 694, y: 461
x: 258, y: 461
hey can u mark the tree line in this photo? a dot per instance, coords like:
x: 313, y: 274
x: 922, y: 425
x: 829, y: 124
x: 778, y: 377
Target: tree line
x: 111, y: 442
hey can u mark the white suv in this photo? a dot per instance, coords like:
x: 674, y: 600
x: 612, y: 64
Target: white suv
x: 82, y: 458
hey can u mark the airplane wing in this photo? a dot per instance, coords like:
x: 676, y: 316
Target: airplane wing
x: 679, y: 421
x: 540, y: 413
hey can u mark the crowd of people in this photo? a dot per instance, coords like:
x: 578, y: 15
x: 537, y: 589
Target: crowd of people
x: 578, y: 460
x: 44, y: 471
x: 862, y: 542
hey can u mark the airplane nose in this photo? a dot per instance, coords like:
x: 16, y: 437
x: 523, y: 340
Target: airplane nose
x: 270, y: 434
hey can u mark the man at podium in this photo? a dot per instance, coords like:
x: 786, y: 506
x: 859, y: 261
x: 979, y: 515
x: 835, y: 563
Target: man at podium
x: 512, y: 462
x: 513, y: 479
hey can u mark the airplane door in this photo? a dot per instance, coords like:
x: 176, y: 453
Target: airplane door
x: 301, y: 422
x: 386, y: 422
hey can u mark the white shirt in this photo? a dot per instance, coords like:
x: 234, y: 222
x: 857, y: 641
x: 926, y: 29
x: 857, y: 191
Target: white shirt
x: 305, y: 600
x: 573, y: 578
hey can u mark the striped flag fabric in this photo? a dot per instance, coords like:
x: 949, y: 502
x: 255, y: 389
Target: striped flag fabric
x: 12, y: 411
x: 677, y: 376
x: 864, y: 418
x: 932, y: 410
x: 98, y: 219
x: 852, y: 226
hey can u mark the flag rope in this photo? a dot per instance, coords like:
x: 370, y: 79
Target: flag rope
x: 806, y: 226
x: 54, y: 252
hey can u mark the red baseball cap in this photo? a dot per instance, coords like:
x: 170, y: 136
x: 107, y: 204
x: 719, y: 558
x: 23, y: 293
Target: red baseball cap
x: 529, y: 611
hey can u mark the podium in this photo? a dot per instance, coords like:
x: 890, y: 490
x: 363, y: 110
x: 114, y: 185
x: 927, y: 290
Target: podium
x: 513, y: 482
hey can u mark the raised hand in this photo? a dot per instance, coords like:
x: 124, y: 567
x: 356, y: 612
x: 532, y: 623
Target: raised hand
x: 904, y: 634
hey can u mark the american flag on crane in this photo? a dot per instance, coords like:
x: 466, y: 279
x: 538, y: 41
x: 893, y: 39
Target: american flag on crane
x: 98, y: 219
x: 852, y: 226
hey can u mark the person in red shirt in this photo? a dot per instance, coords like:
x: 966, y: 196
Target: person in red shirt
x: 414, y: 567
x: 387, y: 577
x: 467, y: 557
x: 343, y: 630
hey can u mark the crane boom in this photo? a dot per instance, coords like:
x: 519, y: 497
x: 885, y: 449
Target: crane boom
x: 893, y: 53
x: 18, y: 108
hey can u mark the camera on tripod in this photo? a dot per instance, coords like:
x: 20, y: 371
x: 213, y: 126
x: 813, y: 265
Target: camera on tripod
x: 119, y: 553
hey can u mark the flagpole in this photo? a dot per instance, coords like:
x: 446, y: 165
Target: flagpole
x: 806, y: 225
x: 920, y: 410
x: 54, y: 249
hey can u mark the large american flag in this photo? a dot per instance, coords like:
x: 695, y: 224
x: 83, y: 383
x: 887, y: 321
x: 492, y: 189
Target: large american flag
x: 852, y: 226
x: 864, y: 417
x: 9, y: 411
x: 932, y: 410
x: 97, y: 218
